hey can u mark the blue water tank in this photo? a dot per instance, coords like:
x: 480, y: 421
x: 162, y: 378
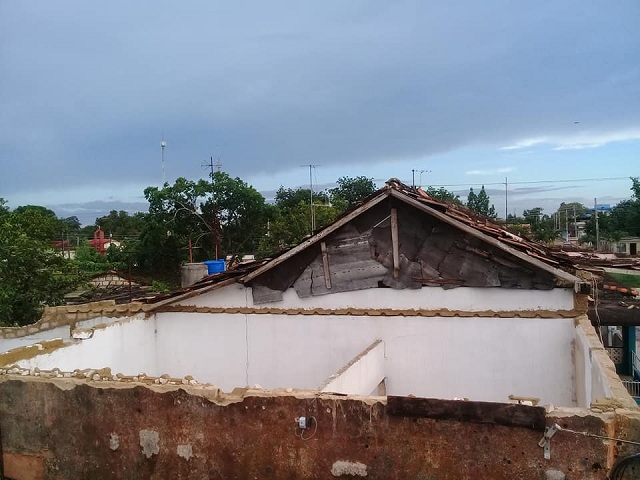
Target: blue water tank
x: 215, y: 266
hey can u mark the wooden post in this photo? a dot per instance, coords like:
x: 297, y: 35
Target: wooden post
x: 325, y: 265
x: 394, y: 243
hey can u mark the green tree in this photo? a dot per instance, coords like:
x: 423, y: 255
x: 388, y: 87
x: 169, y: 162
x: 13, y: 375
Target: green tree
x: 225, y: 216
x: 351, y: 190
x: 542, y: 225
x: 444, y: 195
x: 623, y: 219
x: 292, y: 197
x: 32, y: 274
x: 480, y: 203
x: 289, y: 220
x: 120, y: 223
x: 90, y: 261
x: 240, y: 210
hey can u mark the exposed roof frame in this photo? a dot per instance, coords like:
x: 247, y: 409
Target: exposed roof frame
x: 318, y: 236
x: 567, y: 278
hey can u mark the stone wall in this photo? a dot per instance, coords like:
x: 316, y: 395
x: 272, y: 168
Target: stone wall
x: 74, y: 429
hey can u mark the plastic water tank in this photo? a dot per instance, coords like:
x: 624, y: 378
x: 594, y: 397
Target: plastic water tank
x: 215, y: 266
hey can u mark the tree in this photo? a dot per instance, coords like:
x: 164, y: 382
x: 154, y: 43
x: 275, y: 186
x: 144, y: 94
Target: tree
x: 351, y: 190
x: 32, y: 274
x: 292, y: 197
x: 622, y: 220
x: 240, y: 210
x: 120, y: 223
x: 225, y: 216
x: 542, y: 226
x: 289, y: 220
x: 480, y: 203
x: 444, y: 195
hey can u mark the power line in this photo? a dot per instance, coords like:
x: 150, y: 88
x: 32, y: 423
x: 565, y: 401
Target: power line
x: 533, y: 182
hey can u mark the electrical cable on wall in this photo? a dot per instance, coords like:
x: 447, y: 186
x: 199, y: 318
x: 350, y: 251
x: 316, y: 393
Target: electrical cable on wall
x: 301, y: 434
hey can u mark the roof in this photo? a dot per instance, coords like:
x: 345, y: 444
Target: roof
x: 535, y: 254
x: 459, y: 217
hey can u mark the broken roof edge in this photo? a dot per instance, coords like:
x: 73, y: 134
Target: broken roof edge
x: 563, y: 279
x: 566, y: 279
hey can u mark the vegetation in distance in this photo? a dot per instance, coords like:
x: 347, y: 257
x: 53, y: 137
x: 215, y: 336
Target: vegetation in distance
x: 215, y: 218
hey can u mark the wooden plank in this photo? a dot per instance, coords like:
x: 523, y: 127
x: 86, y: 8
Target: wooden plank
x: 564, y: 279
x: 394, y: 243
x: 325, y: 265
x: 317, y: 237
x: 507, y: 414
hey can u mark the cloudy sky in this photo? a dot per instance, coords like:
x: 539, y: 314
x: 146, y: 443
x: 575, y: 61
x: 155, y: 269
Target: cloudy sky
x: 544, y: 93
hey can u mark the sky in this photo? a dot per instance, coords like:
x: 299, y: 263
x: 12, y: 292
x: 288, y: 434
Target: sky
x: 543, y: 96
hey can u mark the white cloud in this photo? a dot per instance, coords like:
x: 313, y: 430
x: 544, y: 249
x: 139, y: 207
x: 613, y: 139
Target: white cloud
x: 492, y: 171
x: 579, y: 141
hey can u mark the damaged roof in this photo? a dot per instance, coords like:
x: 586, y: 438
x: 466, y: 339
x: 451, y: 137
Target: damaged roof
x: 460, y: 218
x: 457, y: 216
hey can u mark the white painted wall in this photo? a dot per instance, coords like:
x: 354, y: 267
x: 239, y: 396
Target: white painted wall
x: 62, y: 332
x: 127, y: 347
x: 469, y: 299
x: 590, y: 378
x: 478, y: 358
x: 361, y: 376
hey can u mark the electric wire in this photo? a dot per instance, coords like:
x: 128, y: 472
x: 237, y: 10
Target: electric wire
x: 534, y: 182
x: 593, y: 435
x: 301, y: 434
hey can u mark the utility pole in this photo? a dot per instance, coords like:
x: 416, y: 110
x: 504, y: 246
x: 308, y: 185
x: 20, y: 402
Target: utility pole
x: 413, y: 177
x: 506, y: 201
x: 595, y: 212
x: 210, y: 165
x: 313, y: 213
x: 162, y: 145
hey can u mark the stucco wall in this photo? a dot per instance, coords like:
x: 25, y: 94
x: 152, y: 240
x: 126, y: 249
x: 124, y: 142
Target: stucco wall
x: 482, y: 358
x: 427, y: 298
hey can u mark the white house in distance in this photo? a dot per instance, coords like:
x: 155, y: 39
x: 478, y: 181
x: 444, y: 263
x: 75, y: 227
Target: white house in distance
x: 403, y: 295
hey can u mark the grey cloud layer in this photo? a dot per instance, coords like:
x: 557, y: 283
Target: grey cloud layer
x: 87, y: 89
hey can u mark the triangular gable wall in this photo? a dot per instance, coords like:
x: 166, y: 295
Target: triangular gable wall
x: 430, y: 252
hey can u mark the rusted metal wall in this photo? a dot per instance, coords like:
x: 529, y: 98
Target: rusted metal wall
x: 76, y: 430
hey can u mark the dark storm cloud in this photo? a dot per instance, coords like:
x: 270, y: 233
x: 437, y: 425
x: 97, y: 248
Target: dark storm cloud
x: 87, y: 89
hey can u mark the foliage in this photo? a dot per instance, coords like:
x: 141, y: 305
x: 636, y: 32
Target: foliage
x: 542, y: 225
x: 480, y: 203
x: 292, y: 197
x: 120, y: 224
x: 32, y: 274
x: 240, y: 210
x: 351, y: 190
x: 444, y: 195
x: 223, y: 217
x: 90, y: 261
x: 623, y: 219
x: 159, y: 287
x: 289, y: 222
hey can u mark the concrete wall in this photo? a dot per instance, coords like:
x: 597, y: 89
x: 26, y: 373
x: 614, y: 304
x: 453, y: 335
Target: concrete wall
x: 125, y: 346
x: 71, y: 430
x: 481, y: 358
x: 426, y: 298
x: 362, y: 375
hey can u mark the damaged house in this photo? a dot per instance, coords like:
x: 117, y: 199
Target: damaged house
x: 409, y: 339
